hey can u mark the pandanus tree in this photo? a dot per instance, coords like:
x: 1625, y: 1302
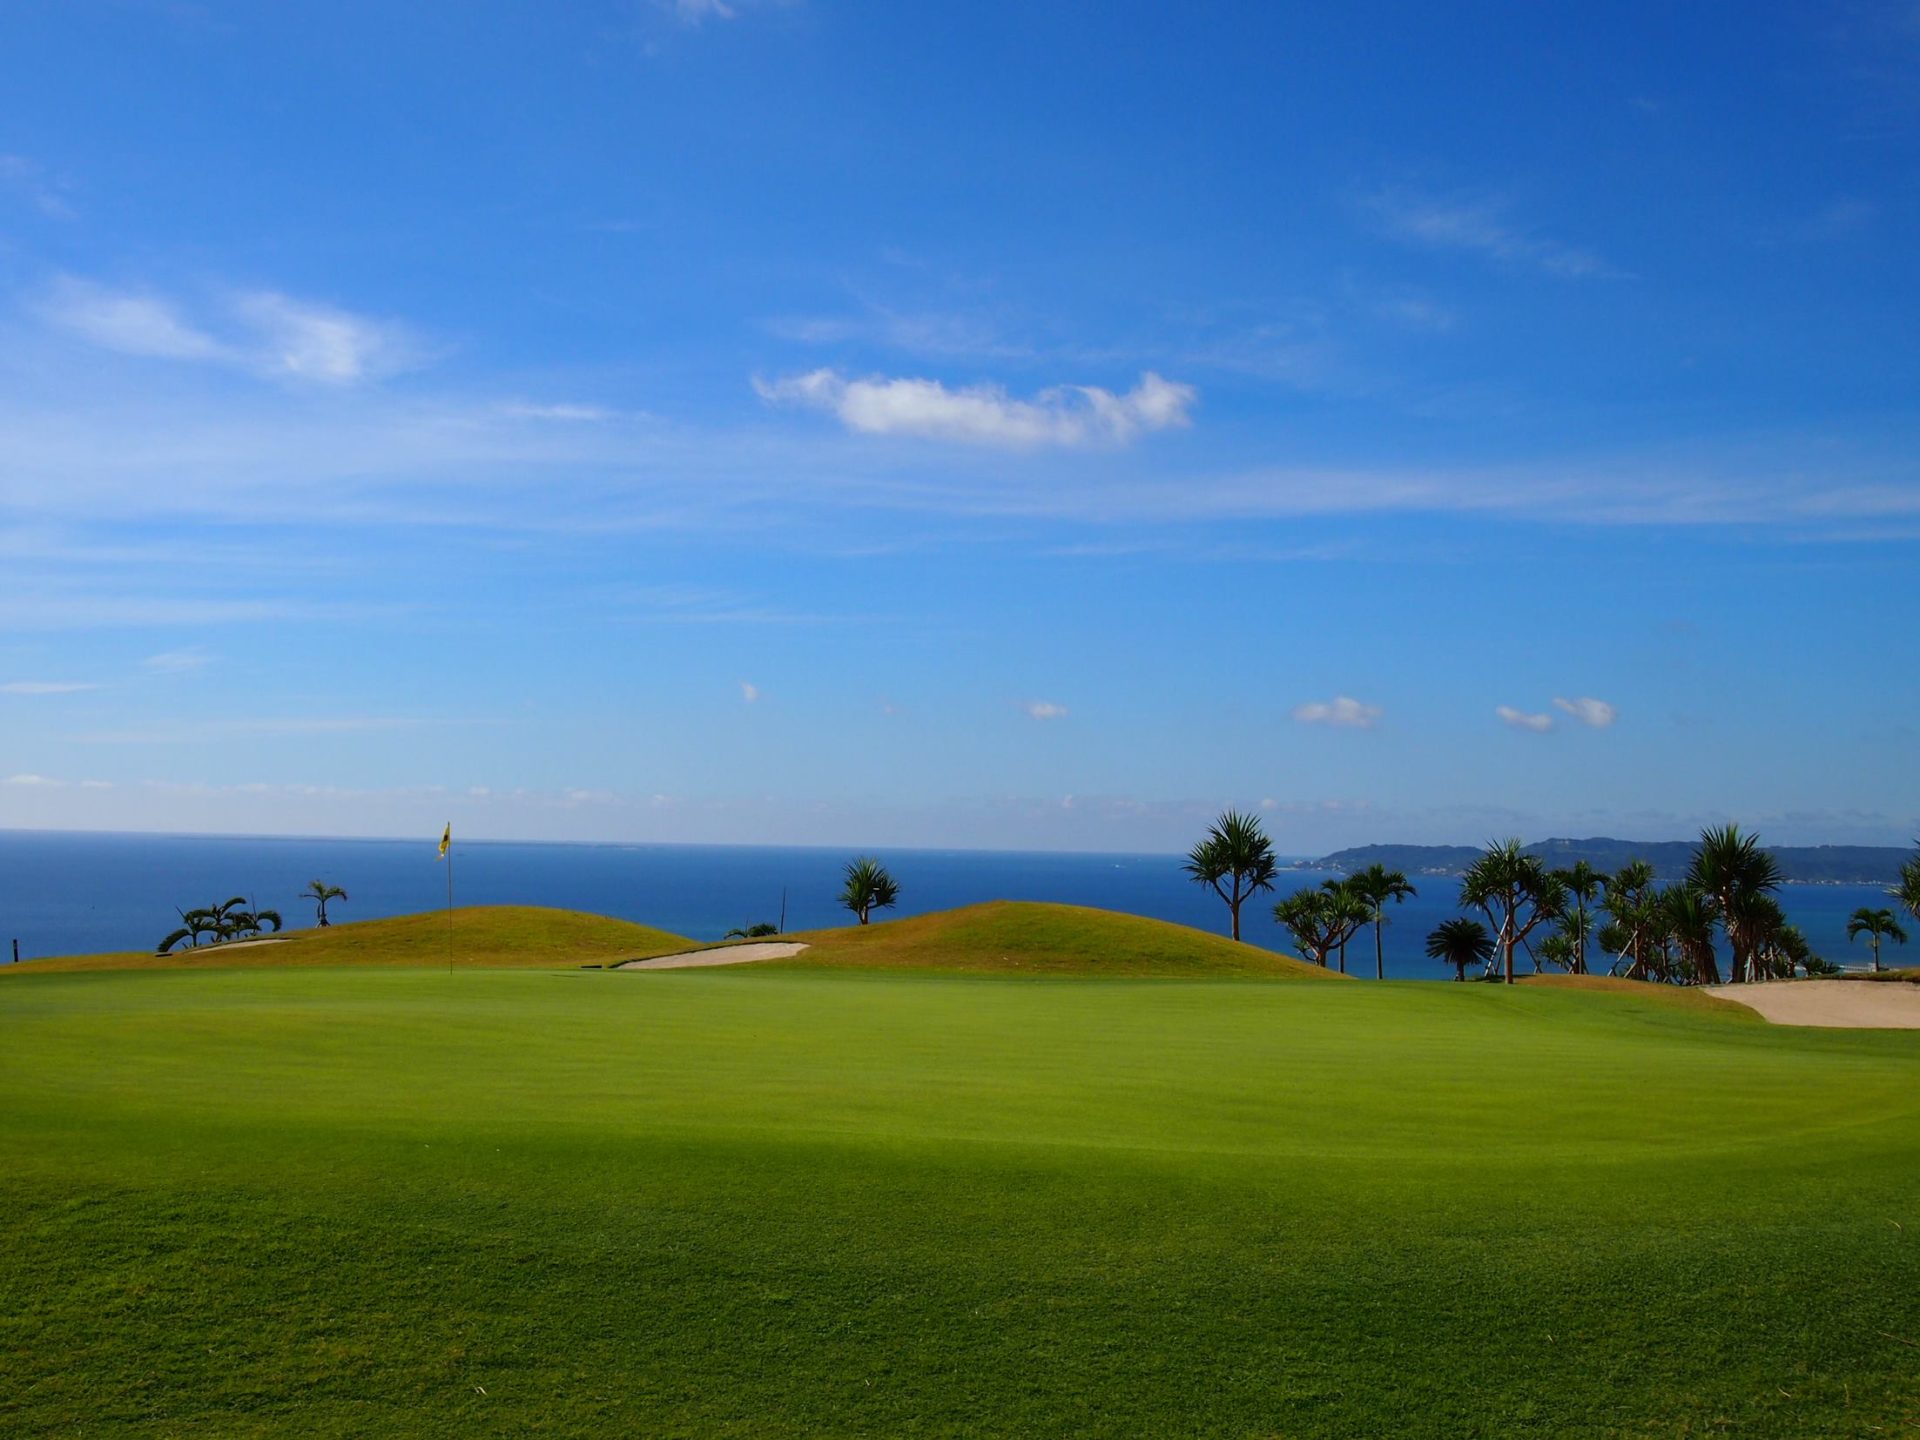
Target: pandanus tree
x: 320, y: 893
x: 1732, y: 869
x: 1907, y: 889
x: 1689, y: 913
x: 1312, y: 917
x: 1515, y: 892
x: 1236, y: 859
x: 1460, y: 942
x: 1633, y: 924
x: 1348, y: 911
x: 1582, y: 883
x: 869, y: 887
x: 1376, y: 885
x: 1876, y: 925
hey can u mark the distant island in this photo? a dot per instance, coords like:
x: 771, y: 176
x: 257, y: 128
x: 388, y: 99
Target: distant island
x: 1802, y: 864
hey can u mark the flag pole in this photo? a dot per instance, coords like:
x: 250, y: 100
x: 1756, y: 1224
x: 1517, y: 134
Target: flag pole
x: 446, y: 854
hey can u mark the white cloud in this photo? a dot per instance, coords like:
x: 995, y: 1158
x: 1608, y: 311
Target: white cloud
x: 317, y: 342
x: 33, y: 781
x: 177, y: 662
x: 129, y: 322
x: 1521, y: 720
x: 1480, y: 227
x: 1341, y: 710
x: 1044, y: 710
x: 1588, y: 711
x: 263, y: 331
x: 526, y: 410
x: 44, y: 687
x: 96, y: 785
x: 1065, y: 415
x: 693, y: 12
x: 749, y: 692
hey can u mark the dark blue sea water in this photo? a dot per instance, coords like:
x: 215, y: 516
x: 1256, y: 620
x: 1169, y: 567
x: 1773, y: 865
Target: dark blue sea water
x: 63, y: 893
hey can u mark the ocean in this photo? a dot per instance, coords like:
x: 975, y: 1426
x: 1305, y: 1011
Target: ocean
x: 64, y: 893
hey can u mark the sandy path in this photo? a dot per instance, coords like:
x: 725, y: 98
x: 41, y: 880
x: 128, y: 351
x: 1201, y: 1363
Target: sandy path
x: 724, y: 955
x: 1842, y: 1004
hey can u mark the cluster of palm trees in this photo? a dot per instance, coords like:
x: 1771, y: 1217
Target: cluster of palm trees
x: 1564, y: 918
x: 236, y: 919
x: 1652, y: 932
x: 1236, y: 861
x: 229, y: 920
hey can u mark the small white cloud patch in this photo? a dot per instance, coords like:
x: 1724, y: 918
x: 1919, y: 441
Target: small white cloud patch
x: 1342, y: 710
x: 1044, y: 710
x: 1522, y: 720
x: 749, y: 692
x: 1065, y: 416
x: 1588, y: 711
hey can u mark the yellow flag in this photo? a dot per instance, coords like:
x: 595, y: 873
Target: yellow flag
x: 446, y: 839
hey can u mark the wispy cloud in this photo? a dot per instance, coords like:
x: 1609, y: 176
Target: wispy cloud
x: 262, y: 331
x: 45, y: 687
x: 1482, y: 227
x: 177, y: 662
x: 749, y: 692
x: 42, y: 191
x: 32, y: 781
x: 1065, y: 416
x: 1588, y: 711
x: 1044, y: 710
x: 563, y: 412
x: 128, y: 321
x: 1342, y: 710
x: 1522, y: 720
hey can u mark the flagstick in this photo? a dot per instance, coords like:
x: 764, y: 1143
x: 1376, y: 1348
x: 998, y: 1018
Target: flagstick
x: 449, y: 909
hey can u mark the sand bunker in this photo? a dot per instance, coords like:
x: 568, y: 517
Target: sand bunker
x: 724, y: 955
x: 1840, y: 1004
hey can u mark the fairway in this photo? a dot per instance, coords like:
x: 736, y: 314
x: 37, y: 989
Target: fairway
x: 781, y: 1201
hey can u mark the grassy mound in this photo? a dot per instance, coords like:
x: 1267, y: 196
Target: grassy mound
x: 1007, y: 937
x: 483, y: 936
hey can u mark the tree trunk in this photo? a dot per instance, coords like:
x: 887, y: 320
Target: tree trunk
x: 1234, y: 905
x: 1379, y: 953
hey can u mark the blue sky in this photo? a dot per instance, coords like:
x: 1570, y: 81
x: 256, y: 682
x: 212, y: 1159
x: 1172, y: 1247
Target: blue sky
x: 996, y: 424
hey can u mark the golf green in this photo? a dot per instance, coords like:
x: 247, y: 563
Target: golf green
x: 757, y: 1202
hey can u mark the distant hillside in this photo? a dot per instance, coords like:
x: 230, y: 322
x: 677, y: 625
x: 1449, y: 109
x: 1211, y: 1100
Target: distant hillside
x: 1815, y: 864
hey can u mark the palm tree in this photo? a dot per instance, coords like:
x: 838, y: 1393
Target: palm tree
x: 1237, y: 850
x: 1876, y: 925
x: 1460, y: 942
x: 1515, y: 892
x: 1348, y: 910
x: 1907, y: 892
x: 869, y: 887
x: 1732, y: 869
x: 1376, y: 885
x: 1582, y: 883
x: 1634, y: 913
x: 320, y: 893
x: 1310, y: 916
x: 1690, y: 913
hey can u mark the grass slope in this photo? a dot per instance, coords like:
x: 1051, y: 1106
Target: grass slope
x: 483, y: 935
x: 302, y: 1202
x: 1019, y: 937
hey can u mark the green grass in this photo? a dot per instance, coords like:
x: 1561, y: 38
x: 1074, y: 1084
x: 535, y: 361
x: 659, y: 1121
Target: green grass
x: 482, y: 935
x: 762, y: 1202
x: 1023, y: 938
